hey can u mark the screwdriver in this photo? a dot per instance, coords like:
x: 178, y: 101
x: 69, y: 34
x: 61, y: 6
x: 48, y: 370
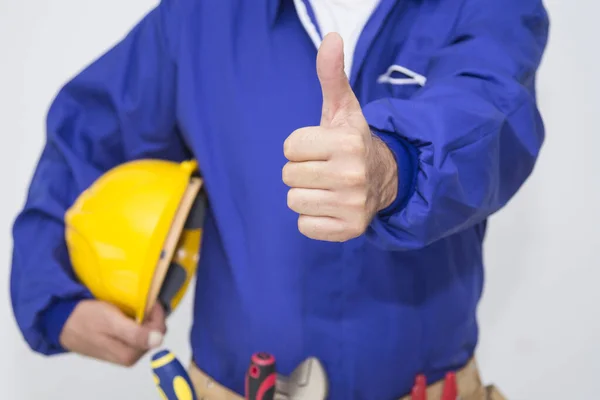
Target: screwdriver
x: 171, y: 378
x: 261, y: 377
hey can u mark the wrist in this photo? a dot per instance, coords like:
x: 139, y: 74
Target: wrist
x: 405, y: 169
x: 386, y: 174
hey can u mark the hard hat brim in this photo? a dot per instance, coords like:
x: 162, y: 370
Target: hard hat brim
x: 170, y: 245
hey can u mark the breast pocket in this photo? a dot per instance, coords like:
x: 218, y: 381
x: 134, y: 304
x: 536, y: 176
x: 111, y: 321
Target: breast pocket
x: 400, y: 77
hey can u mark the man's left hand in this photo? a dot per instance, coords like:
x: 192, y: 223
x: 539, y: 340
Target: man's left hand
x: 340, y: 174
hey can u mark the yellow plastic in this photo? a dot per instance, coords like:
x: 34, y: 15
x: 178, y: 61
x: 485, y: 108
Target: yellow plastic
x: 116, y: 229
x: 182, y: 389
x: 161, y: 393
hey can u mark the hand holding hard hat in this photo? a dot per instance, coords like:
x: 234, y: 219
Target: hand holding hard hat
x: 100, y: 330
x: 134, y: 240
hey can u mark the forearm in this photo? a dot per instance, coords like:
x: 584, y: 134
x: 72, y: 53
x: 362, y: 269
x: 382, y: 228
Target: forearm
x: 475, y: 126
x: 41, y: 279
x: 121, y: 107
x: 462, y: 182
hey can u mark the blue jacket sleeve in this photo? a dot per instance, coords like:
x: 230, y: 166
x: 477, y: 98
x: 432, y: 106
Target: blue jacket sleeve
x: 474, y: 125
x: 119, y: 108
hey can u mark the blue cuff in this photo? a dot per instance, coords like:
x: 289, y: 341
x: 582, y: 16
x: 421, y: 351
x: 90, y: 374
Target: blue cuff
x: 407, y: 160
x: 54, y: 318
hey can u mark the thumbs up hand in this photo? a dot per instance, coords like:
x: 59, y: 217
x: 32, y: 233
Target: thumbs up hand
x: 340, y: 174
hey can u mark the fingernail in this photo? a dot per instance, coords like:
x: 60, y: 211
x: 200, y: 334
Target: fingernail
x: 155, y: 339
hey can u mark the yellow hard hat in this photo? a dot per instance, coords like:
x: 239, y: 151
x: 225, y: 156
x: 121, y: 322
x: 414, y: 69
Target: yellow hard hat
x: 134, y: 235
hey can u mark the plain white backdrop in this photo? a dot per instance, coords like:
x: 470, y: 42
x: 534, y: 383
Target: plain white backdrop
x: 540, y: 315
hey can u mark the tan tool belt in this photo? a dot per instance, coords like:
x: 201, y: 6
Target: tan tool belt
x: 467, y: 379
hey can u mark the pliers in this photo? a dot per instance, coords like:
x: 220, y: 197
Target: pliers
x: 307, y: 382
x: 449, y: 392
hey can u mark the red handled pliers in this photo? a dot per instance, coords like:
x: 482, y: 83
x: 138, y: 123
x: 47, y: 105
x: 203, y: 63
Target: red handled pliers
x: 450, y: 391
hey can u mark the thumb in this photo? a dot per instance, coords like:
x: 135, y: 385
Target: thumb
x: 338, y: 98
x: 156, y: 319
x: 138, y: 336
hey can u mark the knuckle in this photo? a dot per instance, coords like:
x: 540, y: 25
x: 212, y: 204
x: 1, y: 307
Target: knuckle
x: 358, y: 201
x: 292, y: 199
x: 354, y: 231
x: 111, y: 325
x: 307, y: 229
x: 294, y: 138
x: 303, y: 225
x: 128, y: 337
x: 338, y: 236
x: 306, y: 131
x: 285, y: 174
x: 303, y: 229
x: 356, y: 176
x: 354, y: 228
x: 105, y: 324
x: 128, y: 358
x: 353, y: 144
x: 287, y: 147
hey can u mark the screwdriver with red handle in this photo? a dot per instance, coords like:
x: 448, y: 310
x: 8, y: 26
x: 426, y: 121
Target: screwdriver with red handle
x: 261, y: 377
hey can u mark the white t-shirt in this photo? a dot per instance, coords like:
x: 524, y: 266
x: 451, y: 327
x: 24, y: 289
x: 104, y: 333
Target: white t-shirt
x: 346, y: 17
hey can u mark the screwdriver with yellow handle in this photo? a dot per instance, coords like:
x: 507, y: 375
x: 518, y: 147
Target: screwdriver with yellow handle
x: 171, y: 378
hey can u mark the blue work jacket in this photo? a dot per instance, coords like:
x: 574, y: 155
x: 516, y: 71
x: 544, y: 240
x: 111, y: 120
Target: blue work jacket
x: 450, y: 87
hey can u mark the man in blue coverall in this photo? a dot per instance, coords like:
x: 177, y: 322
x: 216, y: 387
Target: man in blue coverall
x: 349, y: 200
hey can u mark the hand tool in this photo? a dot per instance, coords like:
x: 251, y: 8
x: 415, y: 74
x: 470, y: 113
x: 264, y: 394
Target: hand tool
x: 419, y: 390
x: 450, y: 391
x: 261, y: 377
x: 171, y: 378
x: 307, y: 382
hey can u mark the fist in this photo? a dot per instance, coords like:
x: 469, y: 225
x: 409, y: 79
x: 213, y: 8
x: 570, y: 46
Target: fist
x: 100, y: 330
x: 340, y: 175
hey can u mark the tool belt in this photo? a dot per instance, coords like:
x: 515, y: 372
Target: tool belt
x: 468, y: 382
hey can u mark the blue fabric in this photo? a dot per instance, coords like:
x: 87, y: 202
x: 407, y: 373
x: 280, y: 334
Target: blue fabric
x: 54, y: 319
x: 407, y: 159
x: 227, y: 82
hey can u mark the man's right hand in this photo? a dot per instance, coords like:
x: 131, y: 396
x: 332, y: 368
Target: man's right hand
x: 100, y: 330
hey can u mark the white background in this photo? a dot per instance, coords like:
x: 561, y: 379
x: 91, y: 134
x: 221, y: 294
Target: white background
x: 540, y: 316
